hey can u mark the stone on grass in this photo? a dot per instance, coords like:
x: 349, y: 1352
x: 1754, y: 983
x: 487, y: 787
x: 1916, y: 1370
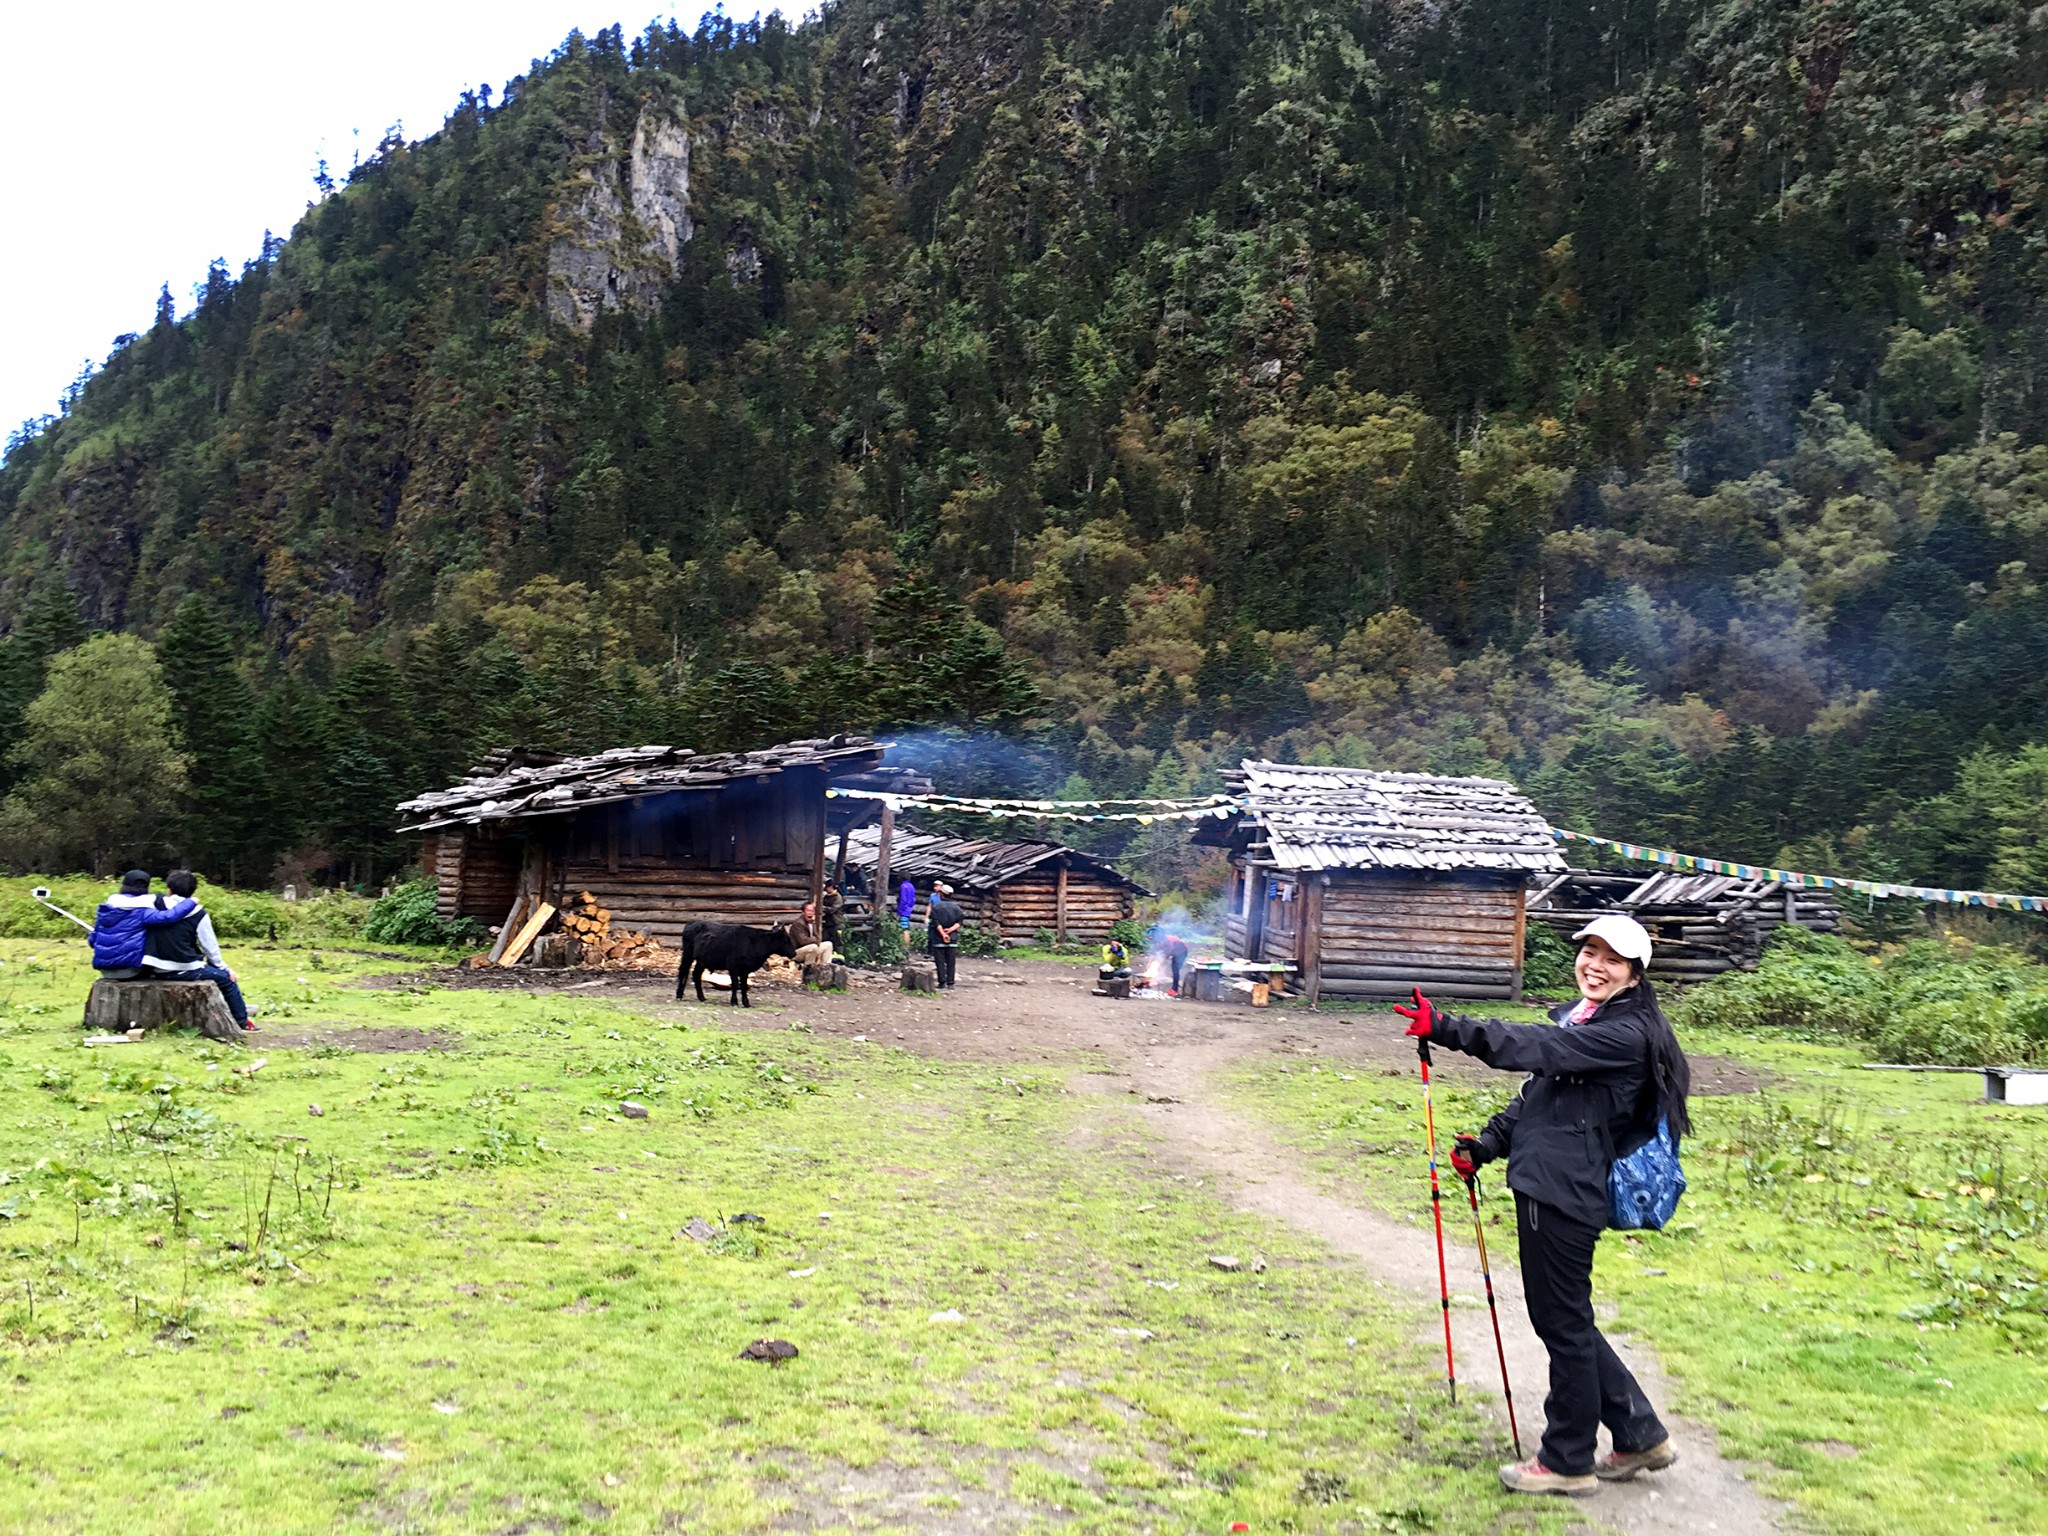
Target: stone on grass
x: 698, y: 1229
x: 772, y: 1351
x: 1224, y: 1262
x: 631, y: 1110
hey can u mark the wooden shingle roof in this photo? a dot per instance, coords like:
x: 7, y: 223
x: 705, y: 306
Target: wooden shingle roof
x: 514, y: 783
x: 971, y: 864
x: 1357, y: 818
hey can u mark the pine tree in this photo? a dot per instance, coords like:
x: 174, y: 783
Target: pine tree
x: 940, y: 666
x: 295, y: 737
x: 228, y: 825
x: 49, y: 624
x: 371, y: 768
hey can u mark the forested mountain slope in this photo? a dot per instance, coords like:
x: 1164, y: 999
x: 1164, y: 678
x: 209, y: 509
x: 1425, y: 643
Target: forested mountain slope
x: 1645, y: 399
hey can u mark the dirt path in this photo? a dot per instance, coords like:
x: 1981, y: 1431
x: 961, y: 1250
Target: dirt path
x: 1164, y: 1061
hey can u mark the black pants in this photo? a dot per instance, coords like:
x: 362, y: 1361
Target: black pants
x: 945, y: 957
x: 1589, y: 1386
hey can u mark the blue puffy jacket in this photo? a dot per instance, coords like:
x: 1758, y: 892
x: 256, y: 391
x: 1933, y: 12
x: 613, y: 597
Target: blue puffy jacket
x: 117, y: 932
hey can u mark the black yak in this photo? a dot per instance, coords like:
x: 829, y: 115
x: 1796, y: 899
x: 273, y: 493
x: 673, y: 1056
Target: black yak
x: 730, y: 947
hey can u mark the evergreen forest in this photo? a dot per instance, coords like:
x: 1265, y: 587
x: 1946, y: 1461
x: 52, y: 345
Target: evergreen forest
x: 1646, y: 400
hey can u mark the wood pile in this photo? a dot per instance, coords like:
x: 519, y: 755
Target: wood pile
x: 1701, y: 925
x: 589, y: 926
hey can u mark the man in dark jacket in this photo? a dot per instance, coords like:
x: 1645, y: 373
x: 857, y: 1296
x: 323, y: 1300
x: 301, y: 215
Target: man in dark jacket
x: 187, y: 950
x: 942, y: 934
x: 1596, y: 1090
x: 118, y: 945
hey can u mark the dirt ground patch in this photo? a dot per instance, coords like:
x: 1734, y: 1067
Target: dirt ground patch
x: 374, y: 1040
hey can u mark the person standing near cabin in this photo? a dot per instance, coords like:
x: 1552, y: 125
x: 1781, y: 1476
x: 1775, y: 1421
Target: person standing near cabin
x: 835, y: 911
x: 1596, y: 1091
x: 187, y: 950
x: 942, y: 936
x: 906, y: 908
x: 1176, y: 958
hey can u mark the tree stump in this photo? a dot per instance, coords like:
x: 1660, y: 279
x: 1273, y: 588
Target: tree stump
x: 114, y: 1007
x: 920, y: 976
x: 827, y: 978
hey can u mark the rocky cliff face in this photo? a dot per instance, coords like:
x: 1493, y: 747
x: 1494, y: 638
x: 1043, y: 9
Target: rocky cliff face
x: 623, y: 224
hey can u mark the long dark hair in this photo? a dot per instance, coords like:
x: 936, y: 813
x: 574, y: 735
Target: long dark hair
x: 1670, y: 1072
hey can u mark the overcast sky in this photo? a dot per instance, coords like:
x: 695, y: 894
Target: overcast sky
x: 138, y: 141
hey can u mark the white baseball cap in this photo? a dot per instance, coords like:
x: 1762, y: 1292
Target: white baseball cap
x: 1624, y: 935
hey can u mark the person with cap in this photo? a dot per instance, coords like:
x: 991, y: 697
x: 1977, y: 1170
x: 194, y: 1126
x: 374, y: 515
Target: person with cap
x: 1596, y: 1090
x: 121, y: 926
x: 942, y: 933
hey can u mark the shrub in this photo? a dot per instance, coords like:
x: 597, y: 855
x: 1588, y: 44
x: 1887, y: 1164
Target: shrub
x: 1130, y: 933
x: 1930, y: 1002
x: 1547, y: 958
x: 979, y: 941
x: 408, y: 916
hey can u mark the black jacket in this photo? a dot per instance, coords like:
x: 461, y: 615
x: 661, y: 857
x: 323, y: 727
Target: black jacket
x: 177, y: 942
x: 1590, y: 1098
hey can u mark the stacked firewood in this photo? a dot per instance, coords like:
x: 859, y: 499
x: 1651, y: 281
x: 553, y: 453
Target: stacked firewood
x: 590, y: 926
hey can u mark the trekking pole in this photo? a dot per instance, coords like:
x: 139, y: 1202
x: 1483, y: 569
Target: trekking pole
x: 1499, y: 1349
x: 42, y: 894
x: 1436, y: 1209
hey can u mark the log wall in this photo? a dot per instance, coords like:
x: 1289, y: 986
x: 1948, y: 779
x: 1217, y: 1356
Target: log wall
x: 1031, y: 903
x: 1370, y: 934
x: 1455, y: 936
x: 655, y: 898
x: 475, y: 872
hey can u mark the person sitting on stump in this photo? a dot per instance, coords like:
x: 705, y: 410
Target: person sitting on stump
x: 811, y: 949
x: 187, y: 950
x: 1596, y: 1090
x: 122, y: 922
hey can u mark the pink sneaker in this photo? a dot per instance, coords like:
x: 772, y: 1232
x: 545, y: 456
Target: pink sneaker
x: 1532, y: 1476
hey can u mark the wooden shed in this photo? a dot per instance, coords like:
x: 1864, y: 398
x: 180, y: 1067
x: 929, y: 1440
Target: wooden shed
x: 1373, y: 883
x: 1015, y: 889
x: 661, y: 836
x: 1700, y: 924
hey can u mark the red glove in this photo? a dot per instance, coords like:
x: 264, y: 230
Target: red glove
x: 1420, y: 1015
x: 1466, y: 1156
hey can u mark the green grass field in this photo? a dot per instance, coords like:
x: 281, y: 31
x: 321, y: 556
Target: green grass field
x: 1852, y: 1291
x: 457, y: 1299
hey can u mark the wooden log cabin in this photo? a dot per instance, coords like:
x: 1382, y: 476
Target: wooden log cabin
x: 1017, y: 890
x: 1374, y: 883
x: 661, y: 836
x: 1701, y: 925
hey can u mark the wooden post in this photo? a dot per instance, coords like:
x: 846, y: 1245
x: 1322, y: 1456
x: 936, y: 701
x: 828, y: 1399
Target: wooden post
x: 818, y: 881
x: 884, y: 899
x: 1309, y: 948
x: 1521, y: 940
x: 1059, y: 907
x: 839, y: 864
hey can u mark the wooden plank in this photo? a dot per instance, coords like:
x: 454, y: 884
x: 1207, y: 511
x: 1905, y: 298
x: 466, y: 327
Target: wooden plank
x: 510, y: 926
x: 1059, y: 919
x: 1312, y: 937
x: 527, y: 931
x: 1521, y: 939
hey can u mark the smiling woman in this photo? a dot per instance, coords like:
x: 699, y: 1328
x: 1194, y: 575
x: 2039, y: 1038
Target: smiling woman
x: 1598, y: 1089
